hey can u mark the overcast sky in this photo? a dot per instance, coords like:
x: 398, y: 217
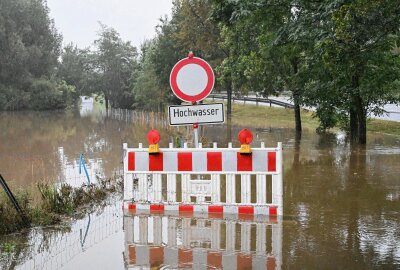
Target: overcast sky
x: 134, y: 20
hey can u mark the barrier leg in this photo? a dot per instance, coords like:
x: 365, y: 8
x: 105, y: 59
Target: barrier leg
x: 143, y: 230
x: 157, y: 187
x: 215, y: 235
x: 143, y: 188
x: 246, y: 188
x: 277, y: 182
x: 185, y: 188
x: 157, y: 230
x: 172, y: 232
x: 261, y: 234
x: 277, y: 243
x: 230, y: 188
x: 216, y: 188
x: 261, y: 187
x: 171, y: 187
x: 230, y: 236
x: 245, y: 237
x: 186, y: 232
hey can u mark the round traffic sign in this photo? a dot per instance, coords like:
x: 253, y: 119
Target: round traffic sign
x: 192, y: 79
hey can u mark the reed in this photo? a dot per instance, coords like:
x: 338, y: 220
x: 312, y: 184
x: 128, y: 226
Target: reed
x: 55, y: 203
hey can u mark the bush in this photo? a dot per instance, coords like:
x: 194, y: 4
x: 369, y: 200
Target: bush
x: 45, y: 95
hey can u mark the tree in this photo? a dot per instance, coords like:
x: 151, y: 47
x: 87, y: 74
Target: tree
x: 189, y: 29
x: 148, y: 94
x: 29, y: 49
x: 114, y: 64
x: 261, y: 56
x: 77, y: 69
x: 353, y: 61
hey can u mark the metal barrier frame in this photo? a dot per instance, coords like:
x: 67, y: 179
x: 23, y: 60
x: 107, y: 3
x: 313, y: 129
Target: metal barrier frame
x: 140, y: 198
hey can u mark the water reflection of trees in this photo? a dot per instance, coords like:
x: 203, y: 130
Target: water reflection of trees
x: 341, y: 208
x: 30, y: 141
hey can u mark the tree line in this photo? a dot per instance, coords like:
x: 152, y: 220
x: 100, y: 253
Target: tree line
x: 339, y: 56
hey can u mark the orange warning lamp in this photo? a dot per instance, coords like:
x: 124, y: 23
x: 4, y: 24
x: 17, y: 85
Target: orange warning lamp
x: 153, y: 137
x: 245, y: 137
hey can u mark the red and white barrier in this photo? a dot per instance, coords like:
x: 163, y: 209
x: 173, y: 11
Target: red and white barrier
x: 147, y: 175
x: 154, y: 241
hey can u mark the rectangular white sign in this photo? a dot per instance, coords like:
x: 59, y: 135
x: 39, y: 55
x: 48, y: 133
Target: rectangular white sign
x: 200, y: 114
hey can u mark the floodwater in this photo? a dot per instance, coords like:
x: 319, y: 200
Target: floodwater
x: 341, y: 203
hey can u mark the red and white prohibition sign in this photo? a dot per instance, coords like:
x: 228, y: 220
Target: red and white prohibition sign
x: 192, y: 79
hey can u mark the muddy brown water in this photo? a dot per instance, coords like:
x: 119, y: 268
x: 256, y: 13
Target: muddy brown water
x: 341, y: 203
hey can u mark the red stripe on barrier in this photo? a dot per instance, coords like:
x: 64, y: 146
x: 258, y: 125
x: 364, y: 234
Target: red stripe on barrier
x: 273, y: 211
x: 214, y: 161
x: 156, y: 208
x: 271, y: 263
x: 272, y: 161
x: 132, y: 254
x: 214, y: 260
x: 244, y: 261
x: 244, y: 162
x: 186, y: 210
x: 156, y: 162
x: 185, y: 161
x: 185, y: 258
x: 131, y: 206
x: 246, y: 210
x: 156, y: 256
x: 215, y: 209
x: 215, y: 215
x: 131, y: 161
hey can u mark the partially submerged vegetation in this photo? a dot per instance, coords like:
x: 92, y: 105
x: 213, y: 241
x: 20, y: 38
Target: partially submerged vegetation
x: 264, y: 116
x: 55, y: 203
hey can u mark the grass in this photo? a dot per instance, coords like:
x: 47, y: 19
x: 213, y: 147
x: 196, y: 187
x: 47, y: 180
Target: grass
x: 264, y: 116
x: 383, y: 126
x: 248, y: 115
x: 55, y: 204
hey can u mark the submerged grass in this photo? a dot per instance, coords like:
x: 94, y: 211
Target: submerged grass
x: 56, y: 202
x: 264, y: 116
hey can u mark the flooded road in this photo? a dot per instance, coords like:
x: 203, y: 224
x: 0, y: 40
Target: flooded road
x: 341, y: 203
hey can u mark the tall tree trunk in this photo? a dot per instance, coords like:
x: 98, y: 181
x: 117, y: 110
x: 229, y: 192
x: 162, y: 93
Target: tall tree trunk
x: 106, y: 100
x: 296, y: 97
x: 362, y: 121
x: 297, y: 115
x: 358, y: 115
x: 353, y: 123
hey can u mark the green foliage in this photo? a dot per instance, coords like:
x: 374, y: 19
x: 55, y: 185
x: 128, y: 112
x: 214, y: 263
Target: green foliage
x: 77, y: 68
x: 148, y: 94
x: 7, y: 248
x: 189, y: 29
x: 340, y: 57
x: 354, y: 69
x: 10, y: 220
x: 29, y: 51
x: 115, y: 61
x: 47, y: 95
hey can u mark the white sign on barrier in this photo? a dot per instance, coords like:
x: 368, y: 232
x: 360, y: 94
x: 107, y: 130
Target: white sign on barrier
x: 196, y: 114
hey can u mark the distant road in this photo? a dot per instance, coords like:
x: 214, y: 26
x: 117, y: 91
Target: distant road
x: 392, y: 111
